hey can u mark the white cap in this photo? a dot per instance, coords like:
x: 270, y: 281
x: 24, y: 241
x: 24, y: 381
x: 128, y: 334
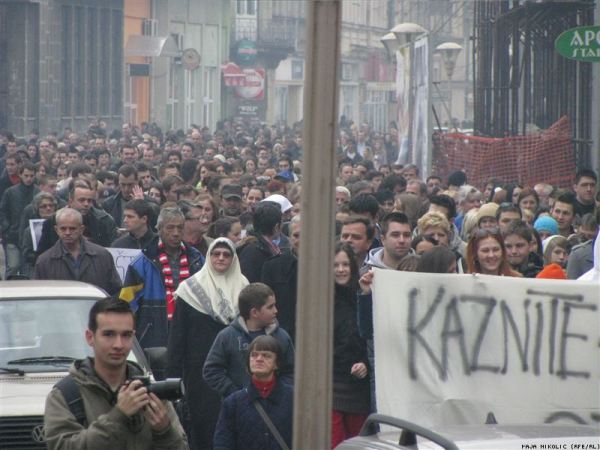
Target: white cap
x: 283, y: 202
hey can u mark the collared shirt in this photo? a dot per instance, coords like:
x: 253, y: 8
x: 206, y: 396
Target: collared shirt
x: 74, y: 263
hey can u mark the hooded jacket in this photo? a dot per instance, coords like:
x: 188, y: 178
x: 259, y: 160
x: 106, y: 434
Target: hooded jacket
x: 108, y: 427
x: 375, y: 259
x: 225, y: 367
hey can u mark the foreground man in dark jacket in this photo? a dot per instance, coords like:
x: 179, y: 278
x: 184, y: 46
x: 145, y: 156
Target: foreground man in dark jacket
x: 118, y: 414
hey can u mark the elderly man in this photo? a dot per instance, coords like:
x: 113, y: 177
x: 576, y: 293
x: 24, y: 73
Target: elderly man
x: 154, y: 275
x: 75, y: 258
x: 99, y: 225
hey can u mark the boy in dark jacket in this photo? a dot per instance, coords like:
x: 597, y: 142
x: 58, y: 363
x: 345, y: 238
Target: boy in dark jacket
x: 225, y: 367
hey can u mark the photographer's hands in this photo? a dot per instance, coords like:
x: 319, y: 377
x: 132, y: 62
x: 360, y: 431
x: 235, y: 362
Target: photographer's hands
x: 156, y: 413
x: 134, y: 397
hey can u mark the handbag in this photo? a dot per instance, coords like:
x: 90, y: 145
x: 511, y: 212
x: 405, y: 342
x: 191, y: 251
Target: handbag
x: 270, y: 425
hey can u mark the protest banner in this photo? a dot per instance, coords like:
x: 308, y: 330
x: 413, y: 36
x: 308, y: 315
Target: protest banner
x: 451, y: 348
x: 122, y: 258
x: 35, y: 228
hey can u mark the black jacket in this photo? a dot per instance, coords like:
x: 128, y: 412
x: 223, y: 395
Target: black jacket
x: 191, y: 337
x: 12, y: 204
x: 253, y: 254
x: 280, y: 273
x: 99, y: 228
x: 129, y: 241
x: 113, y: 205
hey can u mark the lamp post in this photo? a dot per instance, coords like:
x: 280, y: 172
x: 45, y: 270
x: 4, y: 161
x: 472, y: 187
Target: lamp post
x: 449, y: 52
x: 400, y: 39
x: 390, y: 43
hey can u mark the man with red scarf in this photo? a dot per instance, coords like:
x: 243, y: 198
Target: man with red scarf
x: 154, y: 275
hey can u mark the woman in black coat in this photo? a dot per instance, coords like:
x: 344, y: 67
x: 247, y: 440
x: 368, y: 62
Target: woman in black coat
x: 351, y: 389
x: 206, y: 304
x: 240, y: 425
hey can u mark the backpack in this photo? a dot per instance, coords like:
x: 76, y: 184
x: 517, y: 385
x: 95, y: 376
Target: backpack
x: 70, y: 391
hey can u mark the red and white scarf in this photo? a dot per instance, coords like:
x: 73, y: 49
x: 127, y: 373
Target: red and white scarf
x: 167, y: 272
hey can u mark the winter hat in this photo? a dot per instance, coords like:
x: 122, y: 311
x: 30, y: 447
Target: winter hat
x: 487, y: 210
x: 552, y: 271
x: 546, y: 223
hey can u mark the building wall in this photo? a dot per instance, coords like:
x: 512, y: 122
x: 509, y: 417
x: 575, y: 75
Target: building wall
x: 183, y: 97
x: 59, y: 68
x: 365, y: 84
x: 137, y: 89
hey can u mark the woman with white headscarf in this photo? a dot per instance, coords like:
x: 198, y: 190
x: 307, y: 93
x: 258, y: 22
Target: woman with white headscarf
x: 206, y: 303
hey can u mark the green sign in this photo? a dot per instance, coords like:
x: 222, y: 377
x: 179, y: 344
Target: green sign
x: 581, y: 44
x: 246, y: 51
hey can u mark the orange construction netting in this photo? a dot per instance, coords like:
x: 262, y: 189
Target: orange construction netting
x: 544, y: 157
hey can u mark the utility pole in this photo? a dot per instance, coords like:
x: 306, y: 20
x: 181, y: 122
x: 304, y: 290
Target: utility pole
x: 314, y: 322
x: 595, y: 119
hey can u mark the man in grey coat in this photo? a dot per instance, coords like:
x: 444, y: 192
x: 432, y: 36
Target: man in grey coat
x: 75, y: 258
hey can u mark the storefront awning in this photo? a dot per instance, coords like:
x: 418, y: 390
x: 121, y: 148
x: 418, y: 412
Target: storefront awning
x: 138, y: 45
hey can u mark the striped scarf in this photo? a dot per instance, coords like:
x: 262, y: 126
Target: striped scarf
x: 167, y: 272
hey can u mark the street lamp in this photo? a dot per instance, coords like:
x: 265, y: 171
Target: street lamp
x: 449, y: 52
x: 407, y: 32
x: 401, y: 39
x: 390, y: 43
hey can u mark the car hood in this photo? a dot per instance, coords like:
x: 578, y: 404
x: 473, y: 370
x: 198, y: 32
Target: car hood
x: 26, y: 395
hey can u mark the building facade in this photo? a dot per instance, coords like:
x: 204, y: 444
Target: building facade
x: 278, y: 29
x: 59, y: 69
x: 174, y: 51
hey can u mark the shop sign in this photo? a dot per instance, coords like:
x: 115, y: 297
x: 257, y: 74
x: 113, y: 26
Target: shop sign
x: 246, y: 51
x: 580, y: 44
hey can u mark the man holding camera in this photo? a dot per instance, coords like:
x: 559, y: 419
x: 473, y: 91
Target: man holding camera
x: 96, y: 406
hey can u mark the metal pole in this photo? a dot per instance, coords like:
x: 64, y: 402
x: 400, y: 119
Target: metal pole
x: 314, y: 323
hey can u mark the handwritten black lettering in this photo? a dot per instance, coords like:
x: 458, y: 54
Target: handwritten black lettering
x: 508, y: 319
x: 453, y: 328
x: 490, y: 304
x: 414, y: 331
x: 563, y: 372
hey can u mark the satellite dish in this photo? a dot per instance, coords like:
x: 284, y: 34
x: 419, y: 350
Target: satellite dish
x: 190, y: 59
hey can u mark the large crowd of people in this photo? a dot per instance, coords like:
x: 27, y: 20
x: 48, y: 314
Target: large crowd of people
x: 217, y: 219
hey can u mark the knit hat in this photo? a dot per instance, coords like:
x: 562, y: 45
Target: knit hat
x: 552, y: 271
x: 546, y: 241
x: 487, y: 210
x: 546, y: 223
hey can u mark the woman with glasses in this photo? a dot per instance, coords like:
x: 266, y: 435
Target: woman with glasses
x: 206, y: 303
x: 244, y: 415
x: 486, y: 254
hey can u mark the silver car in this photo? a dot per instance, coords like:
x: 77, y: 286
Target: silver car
x: 406, y: 435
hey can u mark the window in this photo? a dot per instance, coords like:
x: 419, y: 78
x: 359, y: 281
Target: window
x: 66, y: 62
x: 92, y: 60
x: 79, y: 62
x: 246, y: 7
x: 117, y: 62
x: 297, y: 69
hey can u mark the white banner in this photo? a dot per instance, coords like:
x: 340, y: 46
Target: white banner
x: 452, y: 348
x: 35, y: 228
x: 122, y: 258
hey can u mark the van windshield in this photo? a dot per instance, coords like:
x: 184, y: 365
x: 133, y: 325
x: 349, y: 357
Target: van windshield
x: 43, y: 335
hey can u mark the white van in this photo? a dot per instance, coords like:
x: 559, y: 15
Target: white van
x: 42, y: 325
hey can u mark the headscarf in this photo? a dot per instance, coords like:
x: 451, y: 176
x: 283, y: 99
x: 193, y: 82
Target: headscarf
x: 212, y: 293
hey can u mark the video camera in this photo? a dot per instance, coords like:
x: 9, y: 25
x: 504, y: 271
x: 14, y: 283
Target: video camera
x: 169, y: 389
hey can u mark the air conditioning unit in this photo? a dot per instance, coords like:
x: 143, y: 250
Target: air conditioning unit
x: 149, y: 27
